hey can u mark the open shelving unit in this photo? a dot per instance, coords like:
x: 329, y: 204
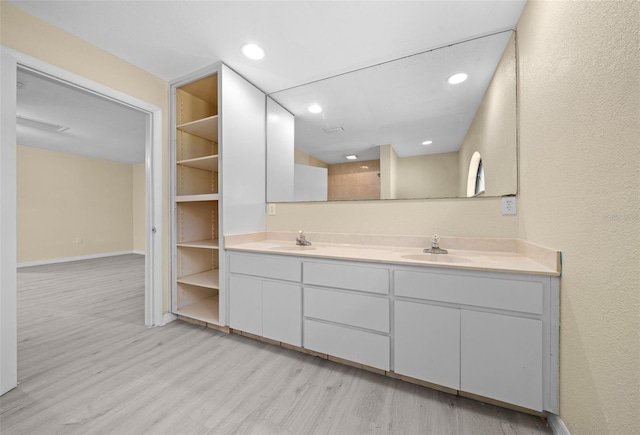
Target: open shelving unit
x: 197, y: 201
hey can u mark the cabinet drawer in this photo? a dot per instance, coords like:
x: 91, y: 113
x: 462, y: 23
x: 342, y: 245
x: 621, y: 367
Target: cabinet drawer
x: 503, y: 294
x: 368, y: 279
x: 266, y: 267
x: 362, y: 347
x: 368, y: 312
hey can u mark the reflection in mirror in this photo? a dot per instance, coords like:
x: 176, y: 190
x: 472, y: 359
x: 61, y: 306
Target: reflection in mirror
x: 400, y: 129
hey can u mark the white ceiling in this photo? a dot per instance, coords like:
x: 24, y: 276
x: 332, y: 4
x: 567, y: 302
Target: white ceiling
x: 304, y: 41
x: 98, y: 127
x: 402, y: 103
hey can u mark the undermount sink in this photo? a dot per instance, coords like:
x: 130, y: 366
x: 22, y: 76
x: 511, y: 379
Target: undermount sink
x: 439, y: 258
x: 293, y: 248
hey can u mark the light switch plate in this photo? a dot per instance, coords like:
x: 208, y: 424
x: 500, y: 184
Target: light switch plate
x: 509, y: 205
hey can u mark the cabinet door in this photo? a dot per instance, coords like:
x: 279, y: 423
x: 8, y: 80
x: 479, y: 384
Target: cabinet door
x: 282, y: 312
x: 501, y: 358
x: 427, y: 343
x: 245, y: 304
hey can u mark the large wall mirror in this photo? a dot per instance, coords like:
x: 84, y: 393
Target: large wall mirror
x: 409, y: 128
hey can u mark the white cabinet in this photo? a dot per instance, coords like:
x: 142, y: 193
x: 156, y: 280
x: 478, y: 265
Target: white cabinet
x: 487, y: 334
x: 362, y: 311
x: 282, y: 312
x: 501, y: 358
x: 351, y: 344
x: 261, y: 305
x: 245, y: 304
x: 349, y: 317
x: 427, y: 343
x: 217, y: 120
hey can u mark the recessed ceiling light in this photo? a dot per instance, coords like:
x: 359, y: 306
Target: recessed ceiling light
x: 427, y: 142
x: 457, y: 78
x: 352, y: 157
x: 253, y: 51
x: 315, y: 108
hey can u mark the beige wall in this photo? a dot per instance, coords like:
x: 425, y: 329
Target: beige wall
x: 34, y: 37
x: 62, y: 198
x: 302, y: 158
x: 139, y: 209
x: 493, y: 132
x: 388, y: 172
x: 579, y: 192
x: 428, y: 176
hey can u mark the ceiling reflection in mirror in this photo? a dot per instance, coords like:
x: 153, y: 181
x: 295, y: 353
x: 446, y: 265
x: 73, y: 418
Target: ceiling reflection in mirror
x: 400, y: 129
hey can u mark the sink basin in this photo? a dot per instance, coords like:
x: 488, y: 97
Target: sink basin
x: 437, y: 258
x: 292, y: 248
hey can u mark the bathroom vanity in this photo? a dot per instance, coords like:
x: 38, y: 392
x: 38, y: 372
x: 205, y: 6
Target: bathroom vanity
x: 482, y: 323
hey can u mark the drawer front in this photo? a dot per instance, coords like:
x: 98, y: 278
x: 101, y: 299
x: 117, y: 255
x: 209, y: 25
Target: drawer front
x: 362, y: 347
x: 503, y: 294
x: 368, y: 279
x: 266, y: 267
x: 368, y: 312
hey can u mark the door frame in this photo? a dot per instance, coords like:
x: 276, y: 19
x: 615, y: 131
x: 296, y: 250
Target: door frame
x: 10, y: 61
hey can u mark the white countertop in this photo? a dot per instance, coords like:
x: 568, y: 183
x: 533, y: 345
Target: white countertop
x: 513, y: 257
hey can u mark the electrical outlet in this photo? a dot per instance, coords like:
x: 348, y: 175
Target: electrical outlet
x: 78, y: 240
x: 272, y: 209
x: 509, y: 205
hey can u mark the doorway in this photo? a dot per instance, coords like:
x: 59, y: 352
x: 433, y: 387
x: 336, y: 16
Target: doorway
x: 11, y: 62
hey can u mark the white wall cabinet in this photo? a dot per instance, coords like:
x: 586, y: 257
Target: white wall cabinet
x: 427, y: 343
x: 217, y: 120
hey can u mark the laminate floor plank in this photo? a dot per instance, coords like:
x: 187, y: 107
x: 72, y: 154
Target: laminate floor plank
x: 87, y: 365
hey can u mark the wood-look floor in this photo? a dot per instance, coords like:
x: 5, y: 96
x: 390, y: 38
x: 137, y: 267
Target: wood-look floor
x: 88, y: 365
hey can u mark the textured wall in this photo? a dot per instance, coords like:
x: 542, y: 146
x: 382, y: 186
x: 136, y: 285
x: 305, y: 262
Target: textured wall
x: 62, y: 197
x: 493, y: 132
x: 428, y: 176
x: 463, y: 217
x: 579, y: 192
x: 30, y: 35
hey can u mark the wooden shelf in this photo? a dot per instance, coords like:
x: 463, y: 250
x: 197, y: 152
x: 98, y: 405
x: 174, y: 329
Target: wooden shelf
x: 208, y: 279
x: 206, y: 244
x: 206, y: 128
x: 195, y: 198
x: 208, y: 163
x: 206, y: 310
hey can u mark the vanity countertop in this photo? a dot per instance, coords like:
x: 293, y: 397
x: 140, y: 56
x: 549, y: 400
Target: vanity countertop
x: 499, y: 255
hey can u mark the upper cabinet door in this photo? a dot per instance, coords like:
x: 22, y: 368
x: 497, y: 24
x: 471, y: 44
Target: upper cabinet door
x: 243, y: 154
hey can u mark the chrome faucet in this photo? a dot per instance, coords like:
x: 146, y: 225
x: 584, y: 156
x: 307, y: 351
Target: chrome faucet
x: 302, y: 239
x: 435, y: 246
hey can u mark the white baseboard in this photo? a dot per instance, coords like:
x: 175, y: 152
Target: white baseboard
x: 68, y: 259
x: 139, y: 252
x: 557, y: 425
